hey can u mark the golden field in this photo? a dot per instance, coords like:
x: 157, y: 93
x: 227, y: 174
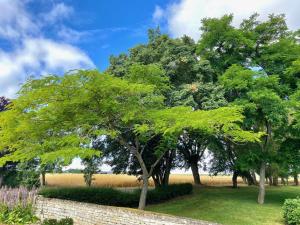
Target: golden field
x: 121, y: 180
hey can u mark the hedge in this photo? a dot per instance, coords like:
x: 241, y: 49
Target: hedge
x: 291, y: 211
x: 114, y: 197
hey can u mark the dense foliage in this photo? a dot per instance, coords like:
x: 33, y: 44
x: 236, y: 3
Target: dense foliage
x: 291, y: 211
x: 65, y: 221
x: 114, y: 197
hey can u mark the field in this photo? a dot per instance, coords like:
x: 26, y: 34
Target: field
x: 231, y: 206
x: 121, y: 180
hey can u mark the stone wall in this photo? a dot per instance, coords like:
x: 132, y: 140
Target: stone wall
x: 91, y: 214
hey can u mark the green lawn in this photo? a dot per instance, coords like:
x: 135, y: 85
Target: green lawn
x: 230, y: 206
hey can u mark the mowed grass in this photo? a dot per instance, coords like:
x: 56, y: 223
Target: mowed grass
x: 122, y: 180
x: 231, y: 206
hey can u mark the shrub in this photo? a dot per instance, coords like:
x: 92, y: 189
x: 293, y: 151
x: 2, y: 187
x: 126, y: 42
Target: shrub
x: 291, y: 211
x: 16, y: 206
x: 66, y: 221
x: 114, y: 197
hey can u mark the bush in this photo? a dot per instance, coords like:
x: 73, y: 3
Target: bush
x: 114, y: 197
x: 66, y: 221
x: 17, y: 215
x: 291, y: 211
x: 16, y: 206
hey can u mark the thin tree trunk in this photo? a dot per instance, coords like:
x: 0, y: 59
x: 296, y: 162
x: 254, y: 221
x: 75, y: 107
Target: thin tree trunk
x: 43, y: 178
x: 195, y: 171
x: 234, y: 179
x: 156, y: 180
x: 254, y: 177
x: 270, y: 181
x: 296, y: 180
x: 1, y: 179
x: 143, y: 196
x: 262, y: 180
x: 275, y: 180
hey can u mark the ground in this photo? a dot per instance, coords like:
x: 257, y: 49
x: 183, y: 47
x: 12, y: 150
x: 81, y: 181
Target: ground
x: 230, y: 206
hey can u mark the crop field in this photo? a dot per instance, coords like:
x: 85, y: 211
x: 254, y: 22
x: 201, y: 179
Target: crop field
x: 121, y: 180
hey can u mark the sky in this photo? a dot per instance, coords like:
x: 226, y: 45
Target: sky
x: 39, y: 37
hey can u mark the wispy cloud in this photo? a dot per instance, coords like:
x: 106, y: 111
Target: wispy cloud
x: 59, y: 12
x: 15, y: 21
x: 158, y: 14
x: 33, y: 53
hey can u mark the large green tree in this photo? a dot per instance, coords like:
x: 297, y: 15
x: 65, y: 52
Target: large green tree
x: 56, y: 118
x: 257, y: 64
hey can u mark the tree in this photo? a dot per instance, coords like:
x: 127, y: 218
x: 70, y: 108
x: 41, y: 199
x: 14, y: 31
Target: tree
x: 91, y: 166
x: 257, y: 65
x: 58, y: 116
x: 264, y: 109
x: 9, y: 169
x: 185, y: 83
x: 192, y: 145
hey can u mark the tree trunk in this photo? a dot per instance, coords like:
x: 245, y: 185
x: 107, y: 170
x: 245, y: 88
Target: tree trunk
x: 1, y: 179
x: 43, y: 178
x: 262, y: 180
x: 156, y: 181
x: 283, y: 181
x: 275, y: 180
x: 195, y: 171
x: 143, y: 196
x: 296, y: 180
x: 234, y: 179
x: 254, y: 177
x: 270, y: 180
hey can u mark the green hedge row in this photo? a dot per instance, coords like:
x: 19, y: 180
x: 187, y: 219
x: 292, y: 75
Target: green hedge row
x: 291, y: 211
x: 114, y: 197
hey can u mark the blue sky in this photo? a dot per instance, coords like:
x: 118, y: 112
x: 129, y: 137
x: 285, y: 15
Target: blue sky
x: 39, y: 37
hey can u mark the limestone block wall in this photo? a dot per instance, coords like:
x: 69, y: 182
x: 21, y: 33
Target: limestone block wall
x: 92, y: 214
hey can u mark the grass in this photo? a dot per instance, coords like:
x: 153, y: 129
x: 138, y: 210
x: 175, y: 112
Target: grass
x: 230, y: 206
x: 121, y: 180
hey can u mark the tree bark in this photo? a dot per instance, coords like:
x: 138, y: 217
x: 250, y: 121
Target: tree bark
x: 1, y: 179
x: 296, y: 180
x: 195, y: 171
x: 275, y: 180
x: 254, y: 177
x: 234, y: 179
x: 262, y: 180
x: 143, y: 196
x: 43, y: 178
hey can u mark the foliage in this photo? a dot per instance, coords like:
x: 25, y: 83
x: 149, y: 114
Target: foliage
x: 16, y: 206
x: 291, y: 211
x: 28, y: 175
x: 17, y: 215
x: 4, y: 102
x: 91, y: 166
x: 65, y: 221
x: 114, y: 197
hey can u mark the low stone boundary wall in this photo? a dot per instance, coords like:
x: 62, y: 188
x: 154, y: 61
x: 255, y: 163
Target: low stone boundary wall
x: 92, y: 214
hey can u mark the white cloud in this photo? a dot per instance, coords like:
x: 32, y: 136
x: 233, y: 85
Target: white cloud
x: 184, y: 16
x: 59, y: 12
x: 15, y: 22
x: 158, y: 14
x: 38, y: 56
x: 31, y: 53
